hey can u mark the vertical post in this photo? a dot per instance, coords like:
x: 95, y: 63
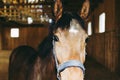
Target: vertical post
x: 0, y: 37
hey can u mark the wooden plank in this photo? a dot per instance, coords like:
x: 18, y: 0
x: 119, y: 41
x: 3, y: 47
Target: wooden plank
x: 31, y: 36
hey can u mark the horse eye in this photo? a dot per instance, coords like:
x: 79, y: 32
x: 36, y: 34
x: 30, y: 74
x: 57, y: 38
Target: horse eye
x: 87, y: 39
x: 56, y: 38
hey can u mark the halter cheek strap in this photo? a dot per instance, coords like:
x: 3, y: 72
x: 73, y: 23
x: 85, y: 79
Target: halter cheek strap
x: 70, y: 63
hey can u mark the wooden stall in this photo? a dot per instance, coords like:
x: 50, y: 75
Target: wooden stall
x: 104, y: 47
x: 117, y: 24
x: 28, y: 35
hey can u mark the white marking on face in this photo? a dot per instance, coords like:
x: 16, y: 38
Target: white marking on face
x: 73, y: 30
x: 74, y: 26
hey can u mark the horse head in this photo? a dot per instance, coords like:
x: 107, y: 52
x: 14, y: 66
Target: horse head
x: 69, y: 45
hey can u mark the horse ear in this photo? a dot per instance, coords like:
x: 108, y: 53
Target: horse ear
x: 85, y: 9
x: 58, y: 8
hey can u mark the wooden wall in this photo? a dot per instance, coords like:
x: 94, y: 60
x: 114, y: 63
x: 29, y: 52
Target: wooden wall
x: 104, y: 47
x: 117, y: 22
x: 31, y: 36
x: 0, y: 37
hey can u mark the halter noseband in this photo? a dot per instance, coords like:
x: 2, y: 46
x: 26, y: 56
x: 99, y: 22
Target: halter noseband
x: 69, y: 63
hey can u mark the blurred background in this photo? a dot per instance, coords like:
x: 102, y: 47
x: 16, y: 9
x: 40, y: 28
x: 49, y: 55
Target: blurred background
x: 26, y: 22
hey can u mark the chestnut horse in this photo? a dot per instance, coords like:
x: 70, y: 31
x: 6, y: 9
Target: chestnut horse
x: 60, y: 56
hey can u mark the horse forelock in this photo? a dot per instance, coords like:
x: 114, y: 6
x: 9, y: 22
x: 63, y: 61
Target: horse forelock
x: 64, y: 21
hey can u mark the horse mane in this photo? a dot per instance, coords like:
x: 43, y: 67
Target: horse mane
x: 47, y: 59
x: 45, y: 47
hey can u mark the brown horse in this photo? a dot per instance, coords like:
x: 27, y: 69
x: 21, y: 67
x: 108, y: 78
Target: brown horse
x: 60, y: 56
x: 20, y: 63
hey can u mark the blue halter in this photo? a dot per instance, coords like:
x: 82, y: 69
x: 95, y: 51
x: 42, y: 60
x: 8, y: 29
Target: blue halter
x: 70, y: 63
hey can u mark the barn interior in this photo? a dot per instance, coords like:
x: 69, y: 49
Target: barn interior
x: 26, y: 22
